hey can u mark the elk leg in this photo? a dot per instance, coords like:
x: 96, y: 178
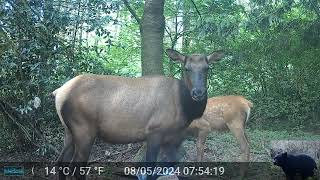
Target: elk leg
x: 170, y: 152
x: 246, y: 136
x: 171, y: 147
x: 83, y: 140
x: 153, y: 148
x: 201, y: 139
x: 66, y: 153
x: 168, y: 157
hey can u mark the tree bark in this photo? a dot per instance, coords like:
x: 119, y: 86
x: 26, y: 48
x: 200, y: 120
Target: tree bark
x: 151, y: 27
x: 152, y: 31
x: 186, y: 27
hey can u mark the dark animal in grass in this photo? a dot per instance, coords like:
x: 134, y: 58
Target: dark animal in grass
x: 293, y: 165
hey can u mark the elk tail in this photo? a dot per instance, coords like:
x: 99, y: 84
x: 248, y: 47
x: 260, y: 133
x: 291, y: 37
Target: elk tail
x: 250, y: 105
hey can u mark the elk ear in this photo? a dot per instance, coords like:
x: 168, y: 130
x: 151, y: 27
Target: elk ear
x: 175, y: 55
x: 215, y: 56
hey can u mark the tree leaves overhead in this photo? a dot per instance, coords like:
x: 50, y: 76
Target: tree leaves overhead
x: 274, y: 47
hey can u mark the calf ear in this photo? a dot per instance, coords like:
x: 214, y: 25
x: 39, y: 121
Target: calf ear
x: 215, y: 56
x: 175, y: 55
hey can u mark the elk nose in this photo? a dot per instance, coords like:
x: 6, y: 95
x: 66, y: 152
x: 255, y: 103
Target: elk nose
x: 197, y: 93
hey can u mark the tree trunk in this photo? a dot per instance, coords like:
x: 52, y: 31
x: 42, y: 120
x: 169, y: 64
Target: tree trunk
x: 152, y: 31
x: 152, y: 27
x: 186, y: 27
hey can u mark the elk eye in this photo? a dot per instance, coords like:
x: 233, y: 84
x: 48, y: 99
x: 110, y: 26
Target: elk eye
x: 187, y: 69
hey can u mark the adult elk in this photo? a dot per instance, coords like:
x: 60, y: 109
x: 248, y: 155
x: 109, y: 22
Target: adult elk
x: 223, y: 113
x: 155, y: 109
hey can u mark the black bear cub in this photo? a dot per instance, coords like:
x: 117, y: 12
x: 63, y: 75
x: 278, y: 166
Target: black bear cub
x: 293, y: 165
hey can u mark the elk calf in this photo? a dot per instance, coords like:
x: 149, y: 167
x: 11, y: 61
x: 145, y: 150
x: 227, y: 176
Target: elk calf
x: 223, y: 113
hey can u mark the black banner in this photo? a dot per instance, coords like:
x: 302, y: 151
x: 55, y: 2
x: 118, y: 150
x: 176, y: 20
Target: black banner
x: 130, y: 170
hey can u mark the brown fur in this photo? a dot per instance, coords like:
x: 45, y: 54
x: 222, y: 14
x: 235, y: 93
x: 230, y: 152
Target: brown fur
x: 223, y: 113
x: 155, y: 109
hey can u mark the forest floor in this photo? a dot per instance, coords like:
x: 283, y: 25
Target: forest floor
x: 220, y: 147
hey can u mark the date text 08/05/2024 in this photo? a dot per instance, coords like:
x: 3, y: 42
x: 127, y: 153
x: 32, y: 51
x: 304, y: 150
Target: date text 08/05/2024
x: 187, y: 170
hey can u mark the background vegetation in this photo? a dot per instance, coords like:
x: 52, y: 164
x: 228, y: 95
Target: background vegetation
x: 273, y: 57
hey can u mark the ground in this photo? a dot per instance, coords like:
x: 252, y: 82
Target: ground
x: 221, y: 147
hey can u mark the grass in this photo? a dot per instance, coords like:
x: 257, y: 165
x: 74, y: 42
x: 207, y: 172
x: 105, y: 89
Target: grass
x: 224, y: 147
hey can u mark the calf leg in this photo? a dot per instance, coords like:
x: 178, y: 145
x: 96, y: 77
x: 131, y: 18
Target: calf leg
x: 201, y: 139
x: 238, y: 132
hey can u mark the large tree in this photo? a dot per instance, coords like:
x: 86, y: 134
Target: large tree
x: 151, y: 27
x: 151, y: 30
